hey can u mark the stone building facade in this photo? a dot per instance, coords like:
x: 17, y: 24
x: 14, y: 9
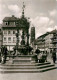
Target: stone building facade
x: 10, y: 25
x: 47, y: 41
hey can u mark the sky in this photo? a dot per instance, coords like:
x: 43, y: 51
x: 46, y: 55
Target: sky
x: 41, y: 13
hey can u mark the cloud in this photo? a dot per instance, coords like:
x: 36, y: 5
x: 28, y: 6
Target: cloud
x: 53, y: 16
x: 55, y: 27
x: 2, y: 7
x: 3, y: 12
x: 43, y: 24
x: 53, y: 13
x: 14, y: 8
x: 51, y: 22
x: 40, y: 23
x: 49, y: 29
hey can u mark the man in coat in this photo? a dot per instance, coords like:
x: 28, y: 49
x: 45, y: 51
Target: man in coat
x: 54, y: 56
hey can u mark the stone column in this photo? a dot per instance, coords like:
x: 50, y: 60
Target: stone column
x: 28, y: 37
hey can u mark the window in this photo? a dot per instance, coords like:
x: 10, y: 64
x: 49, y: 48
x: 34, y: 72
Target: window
x: 6, y: 23
x: 13, y: 32
x: 5, y: 32
x: 14, y: 39
x: 9, y: 32
x: 9, y: 38
x: 14, y: 23
x: 4, y: 38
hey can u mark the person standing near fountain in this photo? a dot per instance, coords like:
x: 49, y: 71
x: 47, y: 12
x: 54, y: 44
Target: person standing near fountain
x: 3, y: 54
x: 54, y: 55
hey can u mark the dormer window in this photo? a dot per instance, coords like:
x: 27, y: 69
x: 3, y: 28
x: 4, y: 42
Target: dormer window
x: 7, y: 23
x: 14, y: 23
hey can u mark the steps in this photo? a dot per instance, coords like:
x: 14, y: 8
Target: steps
x: 21, y: 59
x: 24, y: 68
x: 25, y: 64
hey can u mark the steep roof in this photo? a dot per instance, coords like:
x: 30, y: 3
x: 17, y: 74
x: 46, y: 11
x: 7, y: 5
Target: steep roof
x: 12, y: 18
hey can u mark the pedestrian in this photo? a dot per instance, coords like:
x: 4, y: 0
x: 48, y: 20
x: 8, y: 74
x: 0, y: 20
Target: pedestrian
x: 37, y: 51
x: 46, y: 56
x: 54, y: 56
x: 3, y: 54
